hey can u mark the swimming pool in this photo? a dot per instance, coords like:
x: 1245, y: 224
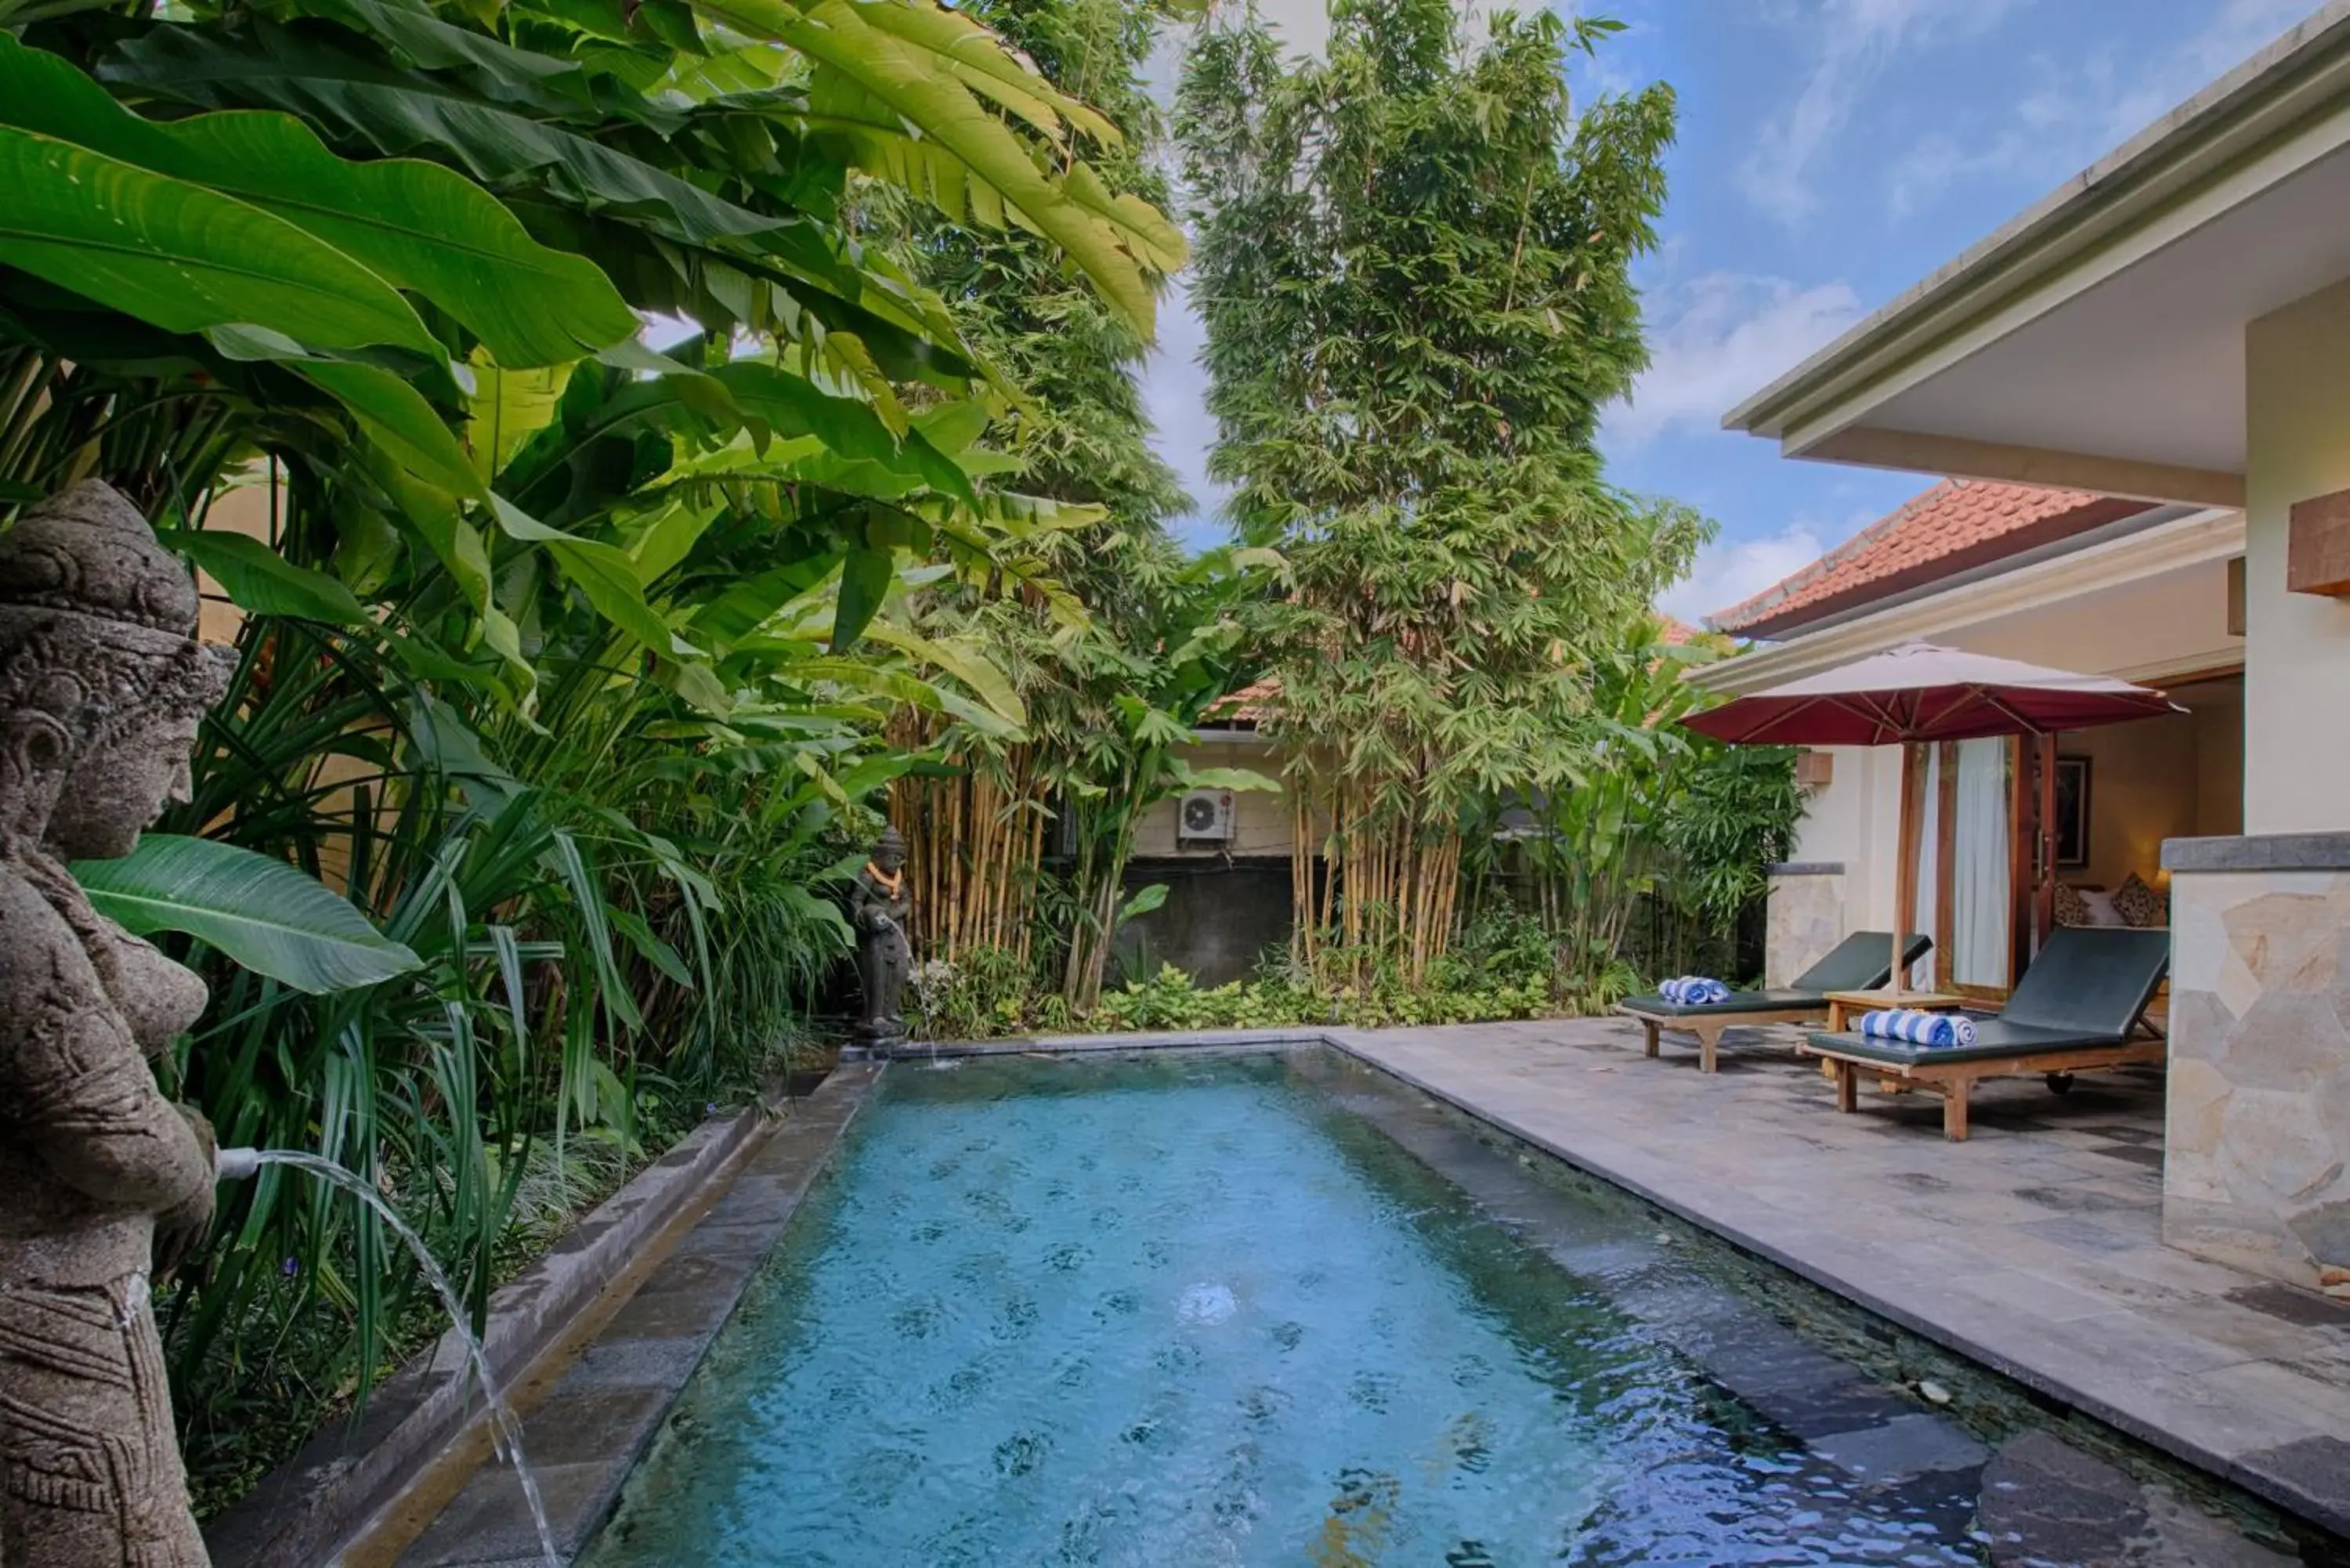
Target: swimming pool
x: 1200, y: 1310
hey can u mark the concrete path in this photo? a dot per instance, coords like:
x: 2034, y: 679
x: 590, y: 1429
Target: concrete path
x: 2032, y: 1248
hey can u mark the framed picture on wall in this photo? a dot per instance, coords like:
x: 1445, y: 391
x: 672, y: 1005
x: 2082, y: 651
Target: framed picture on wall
x: 2072, y: 812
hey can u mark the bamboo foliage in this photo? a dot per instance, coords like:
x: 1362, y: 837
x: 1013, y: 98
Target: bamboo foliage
x: 1413, y: 259
x: 975, y: 842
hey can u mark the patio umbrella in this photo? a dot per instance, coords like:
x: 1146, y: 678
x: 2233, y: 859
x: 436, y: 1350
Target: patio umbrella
x: 1917, y: 693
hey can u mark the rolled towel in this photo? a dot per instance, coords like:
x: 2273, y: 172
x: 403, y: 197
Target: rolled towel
x: 1936, y: 1030
x: 1693, y: 990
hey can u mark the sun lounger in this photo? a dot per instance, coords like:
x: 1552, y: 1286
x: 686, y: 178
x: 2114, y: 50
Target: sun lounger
x: 1858, y: 963
x: 2081, y: 1007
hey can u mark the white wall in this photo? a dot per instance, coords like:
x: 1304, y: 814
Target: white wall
x: 2297, y: 653
x: 2144, y: 780
x: 1265, y: 827
x: 1856, y: 822
x: 2174, y: 621
x: 2220, y: 758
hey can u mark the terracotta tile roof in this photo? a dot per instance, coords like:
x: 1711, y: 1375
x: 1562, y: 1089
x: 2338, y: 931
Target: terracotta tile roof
x: 1958, y: 524
x: 1675, y: 632
x: 1249, y: 705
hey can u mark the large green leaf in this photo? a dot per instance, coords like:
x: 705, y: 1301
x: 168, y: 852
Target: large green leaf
x: 896, y: 92
x: 313, y: 75
x: 400, y: 421
x: 356, y: 95
x: 417, y: 226
x: 603, y: 574
x: 260, y: 581
x: 183, y: 258
x: 261, y: 912
x: 865, y: 580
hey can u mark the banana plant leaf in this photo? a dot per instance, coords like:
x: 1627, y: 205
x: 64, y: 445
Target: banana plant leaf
x: 417, y: 226
x: 184, y: 257
x: 264, y: 914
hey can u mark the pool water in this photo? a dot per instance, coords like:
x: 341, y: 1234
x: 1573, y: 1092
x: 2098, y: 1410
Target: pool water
x: 1195, y: 1311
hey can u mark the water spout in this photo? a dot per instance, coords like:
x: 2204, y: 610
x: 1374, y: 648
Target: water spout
x: 505, y: 1429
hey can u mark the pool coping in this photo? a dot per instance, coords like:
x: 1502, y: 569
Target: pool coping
x: 608, y: 1391
x: 306, y: 1510
x: 2331, y: 1513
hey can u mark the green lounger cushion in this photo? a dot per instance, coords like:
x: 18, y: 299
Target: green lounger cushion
x: 1993, y: 1038
x: 2092, y: 980
x: 1857, y: 964
x: 2087, y: 987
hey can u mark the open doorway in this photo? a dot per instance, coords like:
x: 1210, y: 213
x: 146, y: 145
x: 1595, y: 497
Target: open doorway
x: 2024, y: 834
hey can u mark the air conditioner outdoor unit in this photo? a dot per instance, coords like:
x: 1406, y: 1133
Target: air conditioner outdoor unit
x: 1207, y: 814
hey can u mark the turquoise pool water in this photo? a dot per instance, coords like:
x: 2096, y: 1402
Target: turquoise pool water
x: 1196, y: 1312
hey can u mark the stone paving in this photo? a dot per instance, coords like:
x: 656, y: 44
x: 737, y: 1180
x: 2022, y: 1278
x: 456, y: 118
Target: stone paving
x: 2034, y: 1248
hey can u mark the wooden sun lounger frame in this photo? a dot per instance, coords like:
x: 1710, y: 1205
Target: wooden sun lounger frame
x: 1954, y: 1081
x: 1708, y: 1027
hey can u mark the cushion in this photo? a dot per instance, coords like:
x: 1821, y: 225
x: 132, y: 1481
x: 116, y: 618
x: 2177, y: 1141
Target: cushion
x: 2071, y: 908
x: 2101, y: 910
x: 1994, y: 1038
x: 2140, y: 905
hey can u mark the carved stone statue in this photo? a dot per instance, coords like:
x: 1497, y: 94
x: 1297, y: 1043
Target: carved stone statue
x: 101, y: 686
x: 878, y: 907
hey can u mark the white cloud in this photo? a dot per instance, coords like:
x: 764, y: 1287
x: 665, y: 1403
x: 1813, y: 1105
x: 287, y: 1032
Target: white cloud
x: 1175, y: 398
x: 1858, y: 39
x: 2082, y: 106
x: 1732, y: 570
x: 1721, y: 338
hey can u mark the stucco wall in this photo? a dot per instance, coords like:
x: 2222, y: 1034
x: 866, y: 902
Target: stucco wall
x: 2144, y: 783
x: 2297, y: 653
x: 1265, y: 829
x: 2219, y: 762
x: 2174, y: 621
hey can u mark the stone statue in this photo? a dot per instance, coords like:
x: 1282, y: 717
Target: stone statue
x: 879, y: 909
x: 102, y: 687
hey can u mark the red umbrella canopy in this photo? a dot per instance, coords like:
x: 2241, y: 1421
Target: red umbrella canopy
x: 1922, y: 692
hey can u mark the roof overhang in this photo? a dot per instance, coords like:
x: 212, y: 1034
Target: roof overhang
x: 2097, y: 342
x: 2200, y: 538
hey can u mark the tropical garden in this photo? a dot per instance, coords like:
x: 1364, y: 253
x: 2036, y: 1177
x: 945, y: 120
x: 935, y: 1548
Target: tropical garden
x: 640, y: 446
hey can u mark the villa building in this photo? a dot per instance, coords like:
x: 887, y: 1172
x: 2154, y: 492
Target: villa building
x: 2061, y: 577
x: 2172, y: 327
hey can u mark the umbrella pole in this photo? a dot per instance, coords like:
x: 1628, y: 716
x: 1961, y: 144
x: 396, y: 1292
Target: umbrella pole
x: 1905, y: 867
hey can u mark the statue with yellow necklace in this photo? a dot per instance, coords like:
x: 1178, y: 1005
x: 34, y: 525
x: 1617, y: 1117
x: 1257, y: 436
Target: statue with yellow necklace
x: 878, y: 907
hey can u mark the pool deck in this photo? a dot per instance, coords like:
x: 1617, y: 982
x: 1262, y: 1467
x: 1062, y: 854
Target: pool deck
x: 2034, y: 1248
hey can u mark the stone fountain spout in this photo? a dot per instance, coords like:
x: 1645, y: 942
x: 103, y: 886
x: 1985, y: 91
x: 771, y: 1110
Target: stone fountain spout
x: 102, y: 685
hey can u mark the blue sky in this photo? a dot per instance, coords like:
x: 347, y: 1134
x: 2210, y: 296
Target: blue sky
x: 1832, y: 153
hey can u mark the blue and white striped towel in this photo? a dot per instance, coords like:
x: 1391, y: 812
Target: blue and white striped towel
x: 1937, y: 1030
x: 1693, y: 990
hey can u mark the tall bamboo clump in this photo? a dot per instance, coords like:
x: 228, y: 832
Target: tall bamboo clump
x: 974, y: 840
x: 1413, y: 260
x: 1370, y: 883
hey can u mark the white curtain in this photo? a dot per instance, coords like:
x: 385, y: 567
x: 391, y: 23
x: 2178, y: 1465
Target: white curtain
x: 1929, y: 854
x: 1979, y: 896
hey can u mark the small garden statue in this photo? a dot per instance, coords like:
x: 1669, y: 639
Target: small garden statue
x: 879, y: 909
x: 106, y: 1182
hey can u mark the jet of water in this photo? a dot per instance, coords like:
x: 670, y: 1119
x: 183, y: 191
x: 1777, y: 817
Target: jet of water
x: 505, y: 1429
